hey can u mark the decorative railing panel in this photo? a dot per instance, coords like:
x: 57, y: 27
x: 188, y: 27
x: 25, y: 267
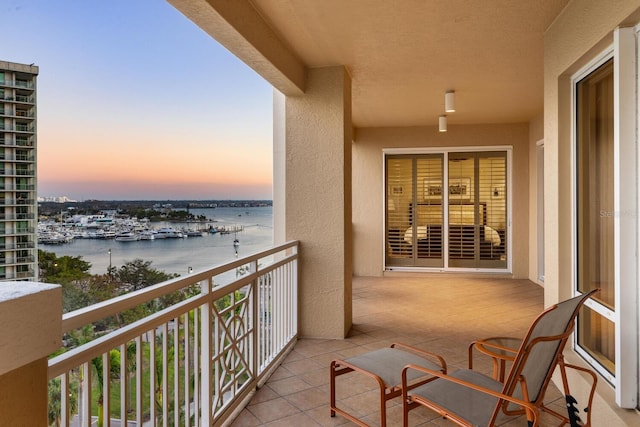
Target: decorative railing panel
x: 192, y: 363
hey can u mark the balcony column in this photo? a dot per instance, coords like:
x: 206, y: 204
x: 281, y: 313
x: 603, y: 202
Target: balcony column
x: 30, y: 330
x: 312, y: 196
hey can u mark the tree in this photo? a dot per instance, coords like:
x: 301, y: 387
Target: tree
x: 138, y: 274
x: 55, y: 402
x: 61, y: 270
x: 68, y: 272
x: 80, y: 289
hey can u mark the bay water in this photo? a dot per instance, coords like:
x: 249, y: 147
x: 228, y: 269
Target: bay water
x: 179, y: 255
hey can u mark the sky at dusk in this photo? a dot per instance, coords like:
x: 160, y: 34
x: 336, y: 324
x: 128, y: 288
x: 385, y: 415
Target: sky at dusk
x: 136, y: 102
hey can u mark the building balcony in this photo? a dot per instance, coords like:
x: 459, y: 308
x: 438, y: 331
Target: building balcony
x: 28, y: 114
x: 22, y: 127
x: 16, y: 201
x: 20, y: 98
x: 24, y: 142
x: 441, y: 313
x: 19, y: 127
x: 17, y: 187
x: 14, y: 260
x: 17, y: 216
x: 21, y: 84
x: 25, y: 113
x: 17, y: 158
x: 210, y: 350
x: 233, y: 346
x: 27, y: 274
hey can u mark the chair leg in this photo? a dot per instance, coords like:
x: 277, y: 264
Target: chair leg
x: 383, y: 408
x: 332, y: 398
x: 573, y: 411
x: 336, y: 370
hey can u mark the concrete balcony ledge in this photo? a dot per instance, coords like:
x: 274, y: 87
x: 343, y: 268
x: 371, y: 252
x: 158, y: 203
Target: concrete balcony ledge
x: 31, y: 319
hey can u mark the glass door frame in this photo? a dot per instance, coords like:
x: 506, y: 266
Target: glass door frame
x: 445, y: 151
x: 624, y: 51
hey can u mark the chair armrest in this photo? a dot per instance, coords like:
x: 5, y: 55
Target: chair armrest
x: 423, y: 353
x: 495, y: 348
x: 529, y: 408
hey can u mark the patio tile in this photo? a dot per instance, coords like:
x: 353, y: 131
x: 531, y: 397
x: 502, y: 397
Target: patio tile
x: 440, y: 313
x: 273, y: 410
x: 290, y: 385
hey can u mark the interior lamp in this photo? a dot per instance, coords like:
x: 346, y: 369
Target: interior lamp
x: 442, y: 123
x: 450, y: 102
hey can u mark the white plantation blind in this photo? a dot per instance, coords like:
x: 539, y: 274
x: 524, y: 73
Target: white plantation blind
x: 463, y: 216
x: 473, y: 195
x: 399, y: 197
x: 477, y: 209
x: 427, y: 218
x: 492, y: 194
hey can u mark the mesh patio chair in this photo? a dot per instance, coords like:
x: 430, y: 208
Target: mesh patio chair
x: 470, y: 398
x: 385, y: 367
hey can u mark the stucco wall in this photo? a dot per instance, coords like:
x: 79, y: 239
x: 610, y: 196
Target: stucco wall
x: 368, y: 227
x: 578, y: 35
x: 316, y: 198
x: 582, y: 30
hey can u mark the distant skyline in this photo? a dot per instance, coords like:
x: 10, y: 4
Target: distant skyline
x: 135, y: 102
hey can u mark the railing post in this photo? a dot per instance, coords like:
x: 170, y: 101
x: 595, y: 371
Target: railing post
x: 26, y: 339
x: 296, y: 279
x: 257, y: 323
x: 206, y: 286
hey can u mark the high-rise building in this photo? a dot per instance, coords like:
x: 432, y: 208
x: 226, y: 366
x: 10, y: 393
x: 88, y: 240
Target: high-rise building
x: 18, y: 190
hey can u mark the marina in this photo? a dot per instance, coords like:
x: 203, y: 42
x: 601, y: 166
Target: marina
x: 181, y: 248
x: 53, y: 233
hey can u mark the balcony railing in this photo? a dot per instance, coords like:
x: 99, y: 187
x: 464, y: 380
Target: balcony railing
x: 193, y: 363
x: 24, y: 142
x: 21, y: 127
x: 19, y: 98
x: 17, y: 83
x: 25, y: 274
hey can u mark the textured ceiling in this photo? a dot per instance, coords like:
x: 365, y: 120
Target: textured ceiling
x: 403, y: 55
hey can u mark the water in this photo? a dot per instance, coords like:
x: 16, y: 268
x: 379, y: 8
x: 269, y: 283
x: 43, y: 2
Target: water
x: 178, y: 255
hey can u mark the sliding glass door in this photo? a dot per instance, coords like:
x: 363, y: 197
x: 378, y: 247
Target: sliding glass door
x: 462, y: 226
x: 414, y: 228
x: 477, y: 209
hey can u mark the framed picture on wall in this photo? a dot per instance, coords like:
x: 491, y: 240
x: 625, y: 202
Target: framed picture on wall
x: 459, y: 188
x: 432, y: 189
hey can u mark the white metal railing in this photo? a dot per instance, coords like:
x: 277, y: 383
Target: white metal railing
x: 195, y: 362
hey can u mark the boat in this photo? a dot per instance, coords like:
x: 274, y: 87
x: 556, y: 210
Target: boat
x: 193, y: 233
x: 127, y: 236
x: 167, y: 233
x: 147, y: 235
x: 53, y: 238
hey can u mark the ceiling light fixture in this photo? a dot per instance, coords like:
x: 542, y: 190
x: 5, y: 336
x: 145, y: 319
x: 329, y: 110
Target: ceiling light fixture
x: 450, y: 101
x: 442, y: 123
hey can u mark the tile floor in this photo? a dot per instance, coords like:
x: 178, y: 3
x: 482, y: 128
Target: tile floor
x: 440, y: 313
